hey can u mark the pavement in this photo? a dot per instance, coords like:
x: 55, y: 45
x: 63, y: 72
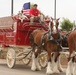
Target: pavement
x: 22, y: 69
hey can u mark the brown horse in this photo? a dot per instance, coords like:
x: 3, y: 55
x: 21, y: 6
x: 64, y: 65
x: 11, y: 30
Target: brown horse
x: 71, y: 68
x: 49, y: 41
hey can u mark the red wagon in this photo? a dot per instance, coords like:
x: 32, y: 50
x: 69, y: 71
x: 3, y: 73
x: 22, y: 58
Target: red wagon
x: 14, y: 37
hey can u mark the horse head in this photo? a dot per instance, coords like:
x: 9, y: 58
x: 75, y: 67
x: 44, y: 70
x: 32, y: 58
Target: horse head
x: 54, y: 25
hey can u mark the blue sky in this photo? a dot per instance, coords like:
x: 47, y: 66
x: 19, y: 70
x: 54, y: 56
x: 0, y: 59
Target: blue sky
x: 65, y: 8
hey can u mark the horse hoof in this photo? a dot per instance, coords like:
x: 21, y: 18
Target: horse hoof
x: 70, y: 74
x: 48, y: 73
x: 60, y: 70
x: 33, y: 68
x: 57, y: 71
x: 39, y: 69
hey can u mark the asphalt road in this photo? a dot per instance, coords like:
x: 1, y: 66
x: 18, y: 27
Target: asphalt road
x: 20, y: 69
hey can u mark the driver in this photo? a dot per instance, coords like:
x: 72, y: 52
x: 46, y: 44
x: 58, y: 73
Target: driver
x: 35, y: 14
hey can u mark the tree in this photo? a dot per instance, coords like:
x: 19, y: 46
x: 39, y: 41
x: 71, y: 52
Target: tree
x: 66, y: 24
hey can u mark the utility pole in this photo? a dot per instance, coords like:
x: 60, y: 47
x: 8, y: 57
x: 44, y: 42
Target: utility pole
x: 54, y: 9
x: 12, y: 8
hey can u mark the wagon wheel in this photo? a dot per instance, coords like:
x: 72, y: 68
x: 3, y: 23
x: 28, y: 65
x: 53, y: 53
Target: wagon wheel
x: 27, y: 59
x: 61, y: 62
x: 43, y: 60
x: 11, y: 58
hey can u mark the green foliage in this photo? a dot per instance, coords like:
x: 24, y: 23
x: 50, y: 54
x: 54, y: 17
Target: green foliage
x: 31, y: 5
x: 66, y: 24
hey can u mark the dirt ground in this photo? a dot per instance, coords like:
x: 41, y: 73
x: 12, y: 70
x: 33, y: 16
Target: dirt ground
x: 64, y: 61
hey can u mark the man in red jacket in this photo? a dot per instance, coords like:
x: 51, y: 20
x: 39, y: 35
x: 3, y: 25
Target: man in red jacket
x: 35, y: 14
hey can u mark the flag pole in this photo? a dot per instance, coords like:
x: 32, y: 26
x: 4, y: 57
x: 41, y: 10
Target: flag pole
x: 54, y: 9
x: 12, y: 8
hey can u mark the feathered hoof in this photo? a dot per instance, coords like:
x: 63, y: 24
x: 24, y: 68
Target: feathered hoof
x: 49, y: 72
x: 61, y: 70
x: 33, y: 68
x: 56, y: 71
x: 38, y: 69
x: 69, y: 74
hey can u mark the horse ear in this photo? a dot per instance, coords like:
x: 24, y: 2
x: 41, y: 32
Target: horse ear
x: 51, y: 18
x: 58, y: 18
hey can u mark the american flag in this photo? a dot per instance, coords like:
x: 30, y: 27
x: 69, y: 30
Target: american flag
x: 26, y: 8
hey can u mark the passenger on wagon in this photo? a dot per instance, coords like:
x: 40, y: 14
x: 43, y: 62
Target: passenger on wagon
x: 35, y: 14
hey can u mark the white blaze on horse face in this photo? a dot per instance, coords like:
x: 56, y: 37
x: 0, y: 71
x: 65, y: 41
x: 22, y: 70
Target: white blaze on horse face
x: 54, y: 26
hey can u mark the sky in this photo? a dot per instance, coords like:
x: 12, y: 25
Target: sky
x: 64, y: 8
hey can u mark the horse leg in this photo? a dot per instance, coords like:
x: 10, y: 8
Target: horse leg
x: 35, y: 64
x: 49, y: 64
x: 38, y: 67
x: 59, y: 65
x: 55, y: 62
x: 74, y: 66
x: 71, y: 68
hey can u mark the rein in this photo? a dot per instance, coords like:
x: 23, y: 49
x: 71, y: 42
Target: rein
x: 49, y: 37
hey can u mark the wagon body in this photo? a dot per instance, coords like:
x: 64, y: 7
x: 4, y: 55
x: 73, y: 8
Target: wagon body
x: 14, y: 38
x: 14, y: 32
